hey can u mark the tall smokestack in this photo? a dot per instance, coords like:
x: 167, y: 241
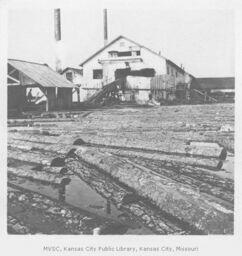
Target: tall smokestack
x: 105, y: 23
x: 57, y: 24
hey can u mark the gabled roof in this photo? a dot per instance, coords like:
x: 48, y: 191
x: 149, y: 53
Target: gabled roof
x: 115, y: 40
x: 77, y: 70
x: 216, y: 83
x: 41, y: 74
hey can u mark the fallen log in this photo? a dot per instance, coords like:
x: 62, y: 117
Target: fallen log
x: 177, y: 200
x: 43, y: 158
x: 125, y: 151
x: 64, y: 139
x: 49, y: 169
x: 195, y: 181
x: 177, y: 148
x: 40, y: 176
x: 162, y: 147
x: 169, y: 160
x: 124, y: 198
x: 28, y: 145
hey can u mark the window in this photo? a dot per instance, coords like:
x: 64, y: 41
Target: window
x: 69, y: 76
x: 97, y: 73
x: 123, y: 54
x: 137, y: 53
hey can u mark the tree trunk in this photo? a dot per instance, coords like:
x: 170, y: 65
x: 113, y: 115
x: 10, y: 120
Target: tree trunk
x: 174, y: 199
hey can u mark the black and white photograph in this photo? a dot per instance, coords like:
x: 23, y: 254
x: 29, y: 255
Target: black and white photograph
x: 120, y: 121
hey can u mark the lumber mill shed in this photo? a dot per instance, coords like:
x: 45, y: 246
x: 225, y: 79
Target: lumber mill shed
x: 35, y: 86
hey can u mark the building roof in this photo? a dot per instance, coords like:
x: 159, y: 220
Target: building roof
x: 41, y: 74
x: 216, y: 83
x: 77, y: 70
x: 115, y: 40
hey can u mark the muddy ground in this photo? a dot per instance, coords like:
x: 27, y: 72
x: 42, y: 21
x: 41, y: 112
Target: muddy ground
x: 122, y: 170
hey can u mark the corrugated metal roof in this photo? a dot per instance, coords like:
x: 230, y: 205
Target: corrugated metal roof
x: 215, y: 83
x: 42, y: 74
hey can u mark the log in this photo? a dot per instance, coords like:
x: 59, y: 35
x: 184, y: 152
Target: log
x: 176, y: 200
x: 163, y: 148
x: 40, y: 176
x: 124, y: 198
x: 28, y: 145
x: 168, y: 160
x: 64, y: 139
x: 195, y: 181
x: 49, y: 169
x: 43, y: 158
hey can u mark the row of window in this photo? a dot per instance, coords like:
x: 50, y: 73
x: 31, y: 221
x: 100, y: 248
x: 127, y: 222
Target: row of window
x: 124, y: 54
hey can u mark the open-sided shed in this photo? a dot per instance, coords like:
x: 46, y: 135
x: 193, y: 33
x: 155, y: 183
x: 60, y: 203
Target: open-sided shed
x: 23, y: 74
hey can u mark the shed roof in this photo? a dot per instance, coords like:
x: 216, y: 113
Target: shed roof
x: 42, y: 74
x: 216, y: 83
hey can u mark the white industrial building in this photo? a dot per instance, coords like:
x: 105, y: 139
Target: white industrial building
x: 124, y: 57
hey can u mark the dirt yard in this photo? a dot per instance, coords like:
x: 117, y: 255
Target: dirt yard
x: 123, y: 170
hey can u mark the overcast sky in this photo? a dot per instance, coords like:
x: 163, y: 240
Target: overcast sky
x: 203, y: 41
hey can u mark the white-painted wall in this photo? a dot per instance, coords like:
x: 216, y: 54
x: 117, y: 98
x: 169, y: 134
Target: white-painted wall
x: 150, y: 60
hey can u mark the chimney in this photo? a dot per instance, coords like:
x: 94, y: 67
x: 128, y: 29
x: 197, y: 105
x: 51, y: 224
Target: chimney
x: 57, y: 24
x: 105, y: 24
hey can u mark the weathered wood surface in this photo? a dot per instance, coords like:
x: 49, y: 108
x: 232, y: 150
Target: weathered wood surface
x: 124, y: 198
x: 44, y: 158
x: 165, y: 147
x: 65, y: 139
x: 121, y: 131
x: 199, y: 179
x: 64, y: 148
x: 170, y: 160
x: 175, y: 199
x: 124, y: 151
x: 40, y: 176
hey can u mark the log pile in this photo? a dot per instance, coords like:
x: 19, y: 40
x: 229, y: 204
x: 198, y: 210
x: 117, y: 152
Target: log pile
x: 173, y: 198
x: 165, y: 167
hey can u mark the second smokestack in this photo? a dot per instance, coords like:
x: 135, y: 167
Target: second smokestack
x: 57, y: 28
x: 105, y: 23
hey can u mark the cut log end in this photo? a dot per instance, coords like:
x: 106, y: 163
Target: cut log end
x: 79, y: 142
x: 63, y: 171
x: 71, y: 153
x: 58, y: 162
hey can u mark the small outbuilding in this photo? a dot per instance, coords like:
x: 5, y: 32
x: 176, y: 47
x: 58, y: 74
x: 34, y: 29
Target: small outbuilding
x: 35, y: 86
